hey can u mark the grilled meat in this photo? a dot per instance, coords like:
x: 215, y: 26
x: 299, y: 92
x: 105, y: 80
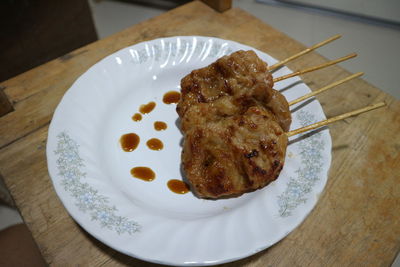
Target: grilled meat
x: 234, y: 126
x: 234, y: 155
x: 241, y: 74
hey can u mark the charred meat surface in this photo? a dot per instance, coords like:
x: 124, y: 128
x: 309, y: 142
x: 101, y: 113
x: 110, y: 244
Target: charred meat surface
x: 234, y: 126
x: 242, y: 75
x: 234, y: 155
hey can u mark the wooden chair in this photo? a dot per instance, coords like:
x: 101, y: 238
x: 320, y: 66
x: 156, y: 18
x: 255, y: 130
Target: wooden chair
x: 34, y: 32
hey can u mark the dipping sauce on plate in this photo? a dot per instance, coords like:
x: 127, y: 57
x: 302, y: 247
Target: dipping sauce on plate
x: 144, y: 173
x: 177, y: 186
x: 129, y: 142
x: 171, y: 97
x: 160, y: 125
x: 137, y: 117
x: 147, y: 108
x: 155, y: 144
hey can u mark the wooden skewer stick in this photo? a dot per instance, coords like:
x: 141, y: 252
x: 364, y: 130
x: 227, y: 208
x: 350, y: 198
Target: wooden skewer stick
x: 311, y: 48
x: 337, y: 118
x: 306, y: 96
x: 329, y: 63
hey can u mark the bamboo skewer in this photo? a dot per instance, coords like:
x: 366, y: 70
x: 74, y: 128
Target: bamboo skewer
x: 329, y: 63
x: 311, y: 48
x: 358, y: 74
x: 337, y: 118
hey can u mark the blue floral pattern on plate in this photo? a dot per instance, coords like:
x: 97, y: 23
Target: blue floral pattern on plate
x: 298, y: 189
x: 70, y: 168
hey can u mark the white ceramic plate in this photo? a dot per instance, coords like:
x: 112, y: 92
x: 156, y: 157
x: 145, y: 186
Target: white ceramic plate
x: 91, y: 174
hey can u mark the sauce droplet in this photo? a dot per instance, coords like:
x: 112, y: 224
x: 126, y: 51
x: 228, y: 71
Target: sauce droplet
x: 129, y: 142
x: 177, y: 186
x: 137, y: 117
x: 143, y: 173
x: 155, y: 144
x: 160, y: 125
x: 171, y: 97
x: 144, y: 109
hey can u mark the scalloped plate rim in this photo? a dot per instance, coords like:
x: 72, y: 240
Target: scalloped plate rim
x: 76, y: 216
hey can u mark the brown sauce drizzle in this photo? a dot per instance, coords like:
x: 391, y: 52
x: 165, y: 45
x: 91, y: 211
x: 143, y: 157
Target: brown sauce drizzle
x: 137, y: 117
x: 143, y: 173
x: 177, y: 186
x: 144, y: 109
x: 155, y: 144
x: 160, y: 125
x: 171, y: 97
x: 129, y: 142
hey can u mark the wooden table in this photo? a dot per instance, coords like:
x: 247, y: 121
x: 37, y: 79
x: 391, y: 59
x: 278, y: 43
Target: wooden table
x: 356, y: 221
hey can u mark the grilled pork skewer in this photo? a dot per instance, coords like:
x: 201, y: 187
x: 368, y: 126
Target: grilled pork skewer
x: 240, y: 153
x: 235, y: 126
x: 233, y: 91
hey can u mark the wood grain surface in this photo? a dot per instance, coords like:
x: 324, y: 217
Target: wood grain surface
x: 356, y: 221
